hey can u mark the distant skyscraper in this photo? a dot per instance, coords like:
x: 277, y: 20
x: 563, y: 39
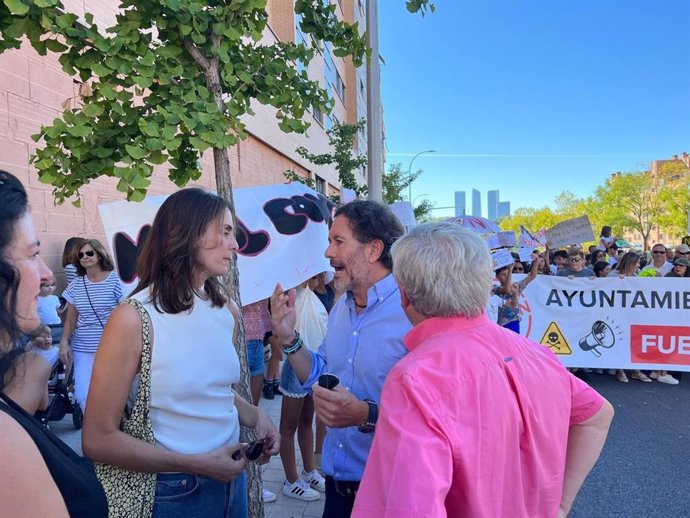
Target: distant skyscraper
x: 503, y: 209
x: 492, y: 205
x: 460, y: 207
x: 476, y: 203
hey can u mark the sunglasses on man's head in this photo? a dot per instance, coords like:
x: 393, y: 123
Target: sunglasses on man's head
x: 89, y: 253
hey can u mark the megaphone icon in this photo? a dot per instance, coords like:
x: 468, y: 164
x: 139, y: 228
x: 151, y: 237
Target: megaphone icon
x: 601, y: 336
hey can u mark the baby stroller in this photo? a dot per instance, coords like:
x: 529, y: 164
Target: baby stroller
x: 61, y: 400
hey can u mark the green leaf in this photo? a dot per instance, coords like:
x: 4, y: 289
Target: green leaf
x: 55, y: 46
x: 135, y: 152
x: 93, y: 110
x: 17, y: 7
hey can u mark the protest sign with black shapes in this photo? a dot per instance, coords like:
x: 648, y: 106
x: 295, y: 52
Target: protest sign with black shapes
x: 282, y: 234
x: 572, y: 231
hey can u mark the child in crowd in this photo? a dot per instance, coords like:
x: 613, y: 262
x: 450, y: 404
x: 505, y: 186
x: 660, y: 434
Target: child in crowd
x: 49, y: 309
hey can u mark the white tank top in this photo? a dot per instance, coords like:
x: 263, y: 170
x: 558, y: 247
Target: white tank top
x: 193, y: 364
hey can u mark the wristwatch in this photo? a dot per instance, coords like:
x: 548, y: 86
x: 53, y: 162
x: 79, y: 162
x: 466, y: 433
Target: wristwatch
x: 370, y: 425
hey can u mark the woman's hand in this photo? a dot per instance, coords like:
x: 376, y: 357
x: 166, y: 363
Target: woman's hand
x: 219, y: 464
x: 265, y: 428
x: 65, y: 353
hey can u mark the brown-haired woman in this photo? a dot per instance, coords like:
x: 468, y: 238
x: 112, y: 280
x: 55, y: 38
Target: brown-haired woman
x: 91, y: 297
x: 69, y: 257
x: 195, y: 415
x: 41, y: 475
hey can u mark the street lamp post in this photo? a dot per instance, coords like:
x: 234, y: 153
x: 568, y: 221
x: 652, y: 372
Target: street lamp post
x: 409, y: 170
x: 417, y: 197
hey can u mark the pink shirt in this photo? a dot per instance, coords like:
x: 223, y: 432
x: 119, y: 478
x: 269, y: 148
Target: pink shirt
x: 257, y: 320
x: 473, y: 423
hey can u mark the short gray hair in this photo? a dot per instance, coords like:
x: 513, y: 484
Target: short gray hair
x: 445, y: 270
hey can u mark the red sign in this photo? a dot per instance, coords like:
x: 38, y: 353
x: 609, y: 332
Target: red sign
x: 660, y: 344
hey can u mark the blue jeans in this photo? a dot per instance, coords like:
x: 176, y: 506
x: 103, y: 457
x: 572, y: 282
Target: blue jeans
x: 182, y: 495
x: 255, y: 357
x: 239, y: 497
x: 338, y: 504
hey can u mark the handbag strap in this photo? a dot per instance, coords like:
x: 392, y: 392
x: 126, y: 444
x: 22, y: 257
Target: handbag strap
x: 91, y: 303
x: 140, y: 410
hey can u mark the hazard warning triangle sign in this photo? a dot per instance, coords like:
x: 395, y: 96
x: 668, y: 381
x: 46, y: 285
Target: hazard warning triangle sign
x: 555, y: 340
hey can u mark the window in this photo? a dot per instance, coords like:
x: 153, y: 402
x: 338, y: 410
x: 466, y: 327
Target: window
x: 339, y: 86
x: 318, y: 114
x: 320, y: 184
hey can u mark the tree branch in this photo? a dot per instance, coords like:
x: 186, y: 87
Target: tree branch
x: 196, y: 54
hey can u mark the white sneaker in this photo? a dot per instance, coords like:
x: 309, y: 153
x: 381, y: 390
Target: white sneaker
x: 315, y: 480
x: 269, y: 496
x: 654, y: 375
x: 668, y: 379
x: 300, y: 490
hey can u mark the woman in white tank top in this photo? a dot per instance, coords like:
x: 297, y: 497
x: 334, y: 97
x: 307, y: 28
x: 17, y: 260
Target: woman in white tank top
x: 194, y: 412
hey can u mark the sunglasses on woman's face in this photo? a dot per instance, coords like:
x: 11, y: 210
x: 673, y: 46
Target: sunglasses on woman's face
x: 89, y: 253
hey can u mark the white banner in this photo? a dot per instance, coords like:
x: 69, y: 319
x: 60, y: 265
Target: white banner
x: 573, y: 231
x: 502, y: 257
x: 610, y: 323
x: 282, y: 231
x: 506, y: 239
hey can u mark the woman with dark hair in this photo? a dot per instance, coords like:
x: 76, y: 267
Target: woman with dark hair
x: 681, y: 268
x: 605, y: 239
x: 195, y: 415
x: 91, y: 297
x: 596, y: 256
x: 601, y: 268
x: 42, y: 476
x: 69, y: 257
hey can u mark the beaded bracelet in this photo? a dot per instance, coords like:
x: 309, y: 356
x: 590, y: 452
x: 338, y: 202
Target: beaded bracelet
x: 294, y: 346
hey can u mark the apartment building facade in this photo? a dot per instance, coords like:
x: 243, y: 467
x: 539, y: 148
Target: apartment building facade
x: 34, y: 89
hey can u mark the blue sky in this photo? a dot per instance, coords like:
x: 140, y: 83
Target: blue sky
x: 533, y: 97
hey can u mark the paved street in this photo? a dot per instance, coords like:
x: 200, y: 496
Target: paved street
x: 644, y: 471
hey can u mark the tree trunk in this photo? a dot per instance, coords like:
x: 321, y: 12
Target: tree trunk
x: 221, y: 162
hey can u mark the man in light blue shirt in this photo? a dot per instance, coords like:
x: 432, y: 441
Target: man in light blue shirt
x: 363, y: 342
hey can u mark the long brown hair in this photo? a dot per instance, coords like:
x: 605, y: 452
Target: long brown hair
x: 170, y: 254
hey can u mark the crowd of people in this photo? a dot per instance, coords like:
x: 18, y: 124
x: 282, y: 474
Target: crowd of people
x: 373, y: 382
x: 604, y: 260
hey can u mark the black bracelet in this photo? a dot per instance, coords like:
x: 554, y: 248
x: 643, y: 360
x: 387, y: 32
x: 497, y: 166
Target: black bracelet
x: 294, y: 346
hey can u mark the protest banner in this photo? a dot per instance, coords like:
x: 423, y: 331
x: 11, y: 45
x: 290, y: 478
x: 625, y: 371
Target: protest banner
x: 570, y: 232
x: 529, y: 240
x: 610, y: 323
x: 282, y: 232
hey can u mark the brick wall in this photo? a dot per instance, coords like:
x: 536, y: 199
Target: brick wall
x: 33, y: 89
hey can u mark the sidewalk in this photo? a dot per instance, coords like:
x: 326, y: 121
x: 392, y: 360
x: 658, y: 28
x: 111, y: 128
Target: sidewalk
x: 273, y: 476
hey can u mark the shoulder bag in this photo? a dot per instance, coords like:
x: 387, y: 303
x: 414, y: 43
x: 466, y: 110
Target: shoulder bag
x: 130, y: 493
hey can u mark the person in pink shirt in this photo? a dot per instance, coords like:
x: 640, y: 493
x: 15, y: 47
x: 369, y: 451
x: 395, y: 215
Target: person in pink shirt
x: 475, y: 421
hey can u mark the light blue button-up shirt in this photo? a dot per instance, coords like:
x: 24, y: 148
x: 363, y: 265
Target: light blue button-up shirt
x: 360, y: 350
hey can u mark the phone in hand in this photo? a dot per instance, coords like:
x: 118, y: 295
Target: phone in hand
x: 251, y: 451
x: 328, y: 381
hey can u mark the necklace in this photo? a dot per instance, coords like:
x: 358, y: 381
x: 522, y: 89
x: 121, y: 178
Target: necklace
x: 359, y: 305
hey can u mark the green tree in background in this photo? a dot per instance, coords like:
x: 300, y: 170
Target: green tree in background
x: 395, y: 186
x: 675, y: 196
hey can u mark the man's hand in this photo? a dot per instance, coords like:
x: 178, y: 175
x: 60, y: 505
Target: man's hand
x: 338, y: 408
x: 283, y: 315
